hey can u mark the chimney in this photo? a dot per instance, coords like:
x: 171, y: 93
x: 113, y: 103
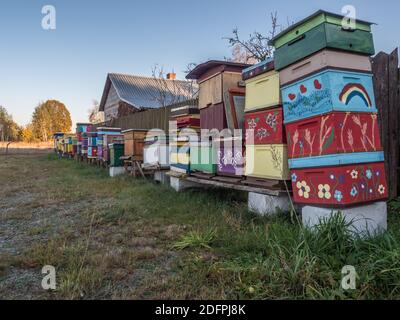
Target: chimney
x: 171, y: 76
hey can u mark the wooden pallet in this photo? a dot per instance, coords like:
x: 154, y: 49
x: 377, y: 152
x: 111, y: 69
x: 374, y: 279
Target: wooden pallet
x: 239, y: 187
x: 202, y: 175
x: 233, y: 180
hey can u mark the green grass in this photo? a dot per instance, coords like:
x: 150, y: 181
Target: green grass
x: 125, y: 238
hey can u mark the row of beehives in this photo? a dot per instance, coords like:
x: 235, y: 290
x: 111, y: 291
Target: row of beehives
x: 310, y: 111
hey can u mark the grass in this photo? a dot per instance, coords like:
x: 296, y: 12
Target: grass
x: 129, y: 239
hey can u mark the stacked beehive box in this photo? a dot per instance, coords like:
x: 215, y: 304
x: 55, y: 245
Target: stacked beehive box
x: 102, y: 132
x: 92, y: 144
x: 334, y: 148
x: 81, y: 129
x: 218, y: 99
x: 187, y: 121
x: 156, y: 150
x: 266, y: 149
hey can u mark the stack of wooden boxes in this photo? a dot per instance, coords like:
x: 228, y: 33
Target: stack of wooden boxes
x: 187, y: 122
x: 109, y: 139
x: 92, y: 144
x: 134, y: 143
x: 81, y: 130
x: 266, y: 149
x: 334, y: 148
x: 218, y: 96
x: 156, y: 150
x: 106, y: 135
x: 58, y: 136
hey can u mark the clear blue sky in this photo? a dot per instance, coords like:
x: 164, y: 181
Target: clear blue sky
x: 96, y: 37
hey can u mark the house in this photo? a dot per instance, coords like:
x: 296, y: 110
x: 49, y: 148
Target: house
x: 125, y: 94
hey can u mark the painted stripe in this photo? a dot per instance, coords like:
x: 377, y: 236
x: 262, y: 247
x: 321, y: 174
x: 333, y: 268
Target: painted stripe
x: 336, y: 160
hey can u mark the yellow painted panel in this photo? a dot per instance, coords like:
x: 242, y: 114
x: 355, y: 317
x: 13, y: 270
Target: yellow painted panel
x: 267, y: 161
x: 180, y: 158
x: 263, y: 91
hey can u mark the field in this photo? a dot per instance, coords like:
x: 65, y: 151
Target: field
x: 131, y: 239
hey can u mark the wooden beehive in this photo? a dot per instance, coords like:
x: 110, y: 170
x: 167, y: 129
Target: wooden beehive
x: 134, y: 142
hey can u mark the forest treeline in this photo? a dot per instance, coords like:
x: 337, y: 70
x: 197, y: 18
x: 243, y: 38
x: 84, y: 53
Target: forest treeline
x: 48, y: 117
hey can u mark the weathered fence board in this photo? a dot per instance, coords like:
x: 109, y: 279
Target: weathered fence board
x: 386, y: 84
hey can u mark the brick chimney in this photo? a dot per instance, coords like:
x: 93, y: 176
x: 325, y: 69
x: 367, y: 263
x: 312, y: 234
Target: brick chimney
x: 171, y: 76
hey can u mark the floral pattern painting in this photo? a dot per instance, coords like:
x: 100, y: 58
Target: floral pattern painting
x: 333, y: 133
x: 231, y: 161
x: 340, y: 186
x: 265, y: 127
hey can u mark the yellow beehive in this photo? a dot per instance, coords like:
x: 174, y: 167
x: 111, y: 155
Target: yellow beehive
x: 267, y: 161
x: 263, y: 91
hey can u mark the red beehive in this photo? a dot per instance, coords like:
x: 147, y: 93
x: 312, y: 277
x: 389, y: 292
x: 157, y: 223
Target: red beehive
x: 340, y: 186
x: 333, y: 133
x: 265, y: 127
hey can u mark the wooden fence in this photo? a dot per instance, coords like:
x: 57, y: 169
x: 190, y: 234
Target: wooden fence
x: 387, y: 94
x: 150, y: 119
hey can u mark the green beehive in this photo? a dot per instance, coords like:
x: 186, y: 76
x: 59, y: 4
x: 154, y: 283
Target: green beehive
x: 319, y: 31
x: 116, y: 152
x: 203, y: 157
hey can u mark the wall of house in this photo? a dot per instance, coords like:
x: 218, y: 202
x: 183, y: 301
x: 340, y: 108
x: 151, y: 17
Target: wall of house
x: 112, y: 105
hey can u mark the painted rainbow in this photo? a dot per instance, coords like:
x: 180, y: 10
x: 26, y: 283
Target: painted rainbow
x: 355, y: 90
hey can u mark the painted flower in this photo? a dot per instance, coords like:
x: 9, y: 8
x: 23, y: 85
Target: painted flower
x: 381, y: 189
x: 368, y: 173
x: 378, y: 173
x: 262, y: 133
x: 271, y: 120
x: 362, y: 186
x: 252, y: 124
x: 294, y: 177
x: 304, y: 189
x: 332, y: 177
x: 354, y: 192
x: 338, y: 195
x: 371, y: 191
x: 354, y: 174
x: 324, y: 191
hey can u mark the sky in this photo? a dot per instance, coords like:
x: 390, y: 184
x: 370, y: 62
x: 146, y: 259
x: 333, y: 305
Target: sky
x: 93, y: 38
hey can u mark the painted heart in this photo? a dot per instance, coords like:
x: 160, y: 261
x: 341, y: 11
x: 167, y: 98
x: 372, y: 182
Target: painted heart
x: 292, y: 96
x: 317, y: 84
x: 303, y: 89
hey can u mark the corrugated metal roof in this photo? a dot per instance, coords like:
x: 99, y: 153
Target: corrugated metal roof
x: 146, y: 92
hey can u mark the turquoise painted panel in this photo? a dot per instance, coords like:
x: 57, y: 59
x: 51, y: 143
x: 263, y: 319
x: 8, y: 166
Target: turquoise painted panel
x: 336, y: 160
x: 327, y: 91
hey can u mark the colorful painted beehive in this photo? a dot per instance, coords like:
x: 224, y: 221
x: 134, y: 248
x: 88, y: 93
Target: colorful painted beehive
x: 263, y: 91
x: 340, y: 185
x: 267, y: 162
x: 231, y: 157
x: 265, y: 127
x: 325, y: 59
x: 57, y: 140
x: 107, y: 140
x: 134, y: 142
x: 321, y: 30
x: 81, y: 129
x: 156, y: 152
x: 329, y: 90
x: 203, y: 157
x: 180, y: 156
x: 333, y: 133
x: 101, y: 133
x: 116, y: 152
x: 192, y: 121
x: 92, y: 145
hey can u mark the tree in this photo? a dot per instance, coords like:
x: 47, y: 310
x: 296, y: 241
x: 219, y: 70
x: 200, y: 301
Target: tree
x: 50, y: 117
x: 256, y: 48
x: 26, y: 133
x: 95, y: 116
x: 8, y: 127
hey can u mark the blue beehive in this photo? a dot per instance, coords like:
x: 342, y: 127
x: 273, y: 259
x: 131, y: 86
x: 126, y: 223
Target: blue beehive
x: 329, y: 90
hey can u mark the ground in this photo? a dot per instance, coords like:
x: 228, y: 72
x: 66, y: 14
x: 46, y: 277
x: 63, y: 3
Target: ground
x: 119, y: 238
